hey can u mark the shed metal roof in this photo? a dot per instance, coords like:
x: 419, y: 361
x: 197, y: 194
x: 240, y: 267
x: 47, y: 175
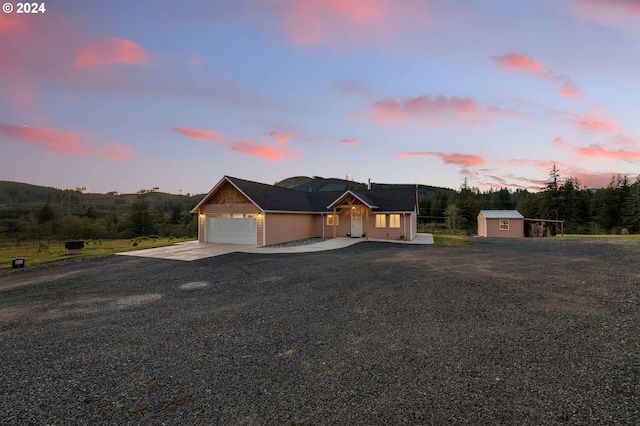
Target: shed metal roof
x: 501, y: 214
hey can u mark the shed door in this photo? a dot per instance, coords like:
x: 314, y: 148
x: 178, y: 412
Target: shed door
x: 231, y: 230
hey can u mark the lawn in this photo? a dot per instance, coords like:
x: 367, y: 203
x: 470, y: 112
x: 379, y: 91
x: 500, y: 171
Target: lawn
x: 448, y: 240
x: 54, y: 251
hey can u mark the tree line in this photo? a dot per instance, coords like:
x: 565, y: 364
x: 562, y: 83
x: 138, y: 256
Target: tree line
x: 71, y: 214
x: 609, y: 210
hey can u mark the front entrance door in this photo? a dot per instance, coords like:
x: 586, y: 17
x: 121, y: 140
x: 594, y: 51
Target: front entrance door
x: 356, y: 225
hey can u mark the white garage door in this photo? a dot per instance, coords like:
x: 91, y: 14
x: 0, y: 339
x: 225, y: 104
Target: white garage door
x: 231, y: 230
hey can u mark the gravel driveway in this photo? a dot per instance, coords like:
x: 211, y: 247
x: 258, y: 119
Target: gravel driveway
x: 529, y: 331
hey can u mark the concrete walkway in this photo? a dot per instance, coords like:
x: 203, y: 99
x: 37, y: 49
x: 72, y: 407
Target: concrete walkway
x: 192, y: 250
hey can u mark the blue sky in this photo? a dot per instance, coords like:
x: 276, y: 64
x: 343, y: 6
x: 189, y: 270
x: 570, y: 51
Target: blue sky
x: 129, y: 95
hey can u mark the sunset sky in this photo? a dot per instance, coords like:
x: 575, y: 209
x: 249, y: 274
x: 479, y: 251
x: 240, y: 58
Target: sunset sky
x: 129, y: 95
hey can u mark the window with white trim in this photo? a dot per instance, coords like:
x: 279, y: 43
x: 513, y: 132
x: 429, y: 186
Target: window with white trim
x: 504, y: 224
x: 330, y: 219
x: 381, y: 221
x: 394, y: 221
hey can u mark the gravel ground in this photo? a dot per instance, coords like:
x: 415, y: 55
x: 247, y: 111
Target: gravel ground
x: 296, y: 243
x: 528, y: 332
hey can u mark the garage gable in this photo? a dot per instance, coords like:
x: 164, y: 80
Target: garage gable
x: 228, y: 194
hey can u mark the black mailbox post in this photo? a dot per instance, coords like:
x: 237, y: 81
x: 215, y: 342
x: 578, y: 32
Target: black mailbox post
x: 17, y: 262
x: 74, y: 247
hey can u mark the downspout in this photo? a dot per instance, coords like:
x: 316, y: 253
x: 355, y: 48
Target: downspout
x: 264, y: 229
x: 322, y: 218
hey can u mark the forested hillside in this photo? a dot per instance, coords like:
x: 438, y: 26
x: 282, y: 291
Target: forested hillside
x: 34, y: 212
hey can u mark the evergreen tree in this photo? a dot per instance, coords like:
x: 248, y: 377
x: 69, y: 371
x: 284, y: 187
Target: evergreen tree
x: 46, y: 214
x: 549, y: 203
x: 141, y: 219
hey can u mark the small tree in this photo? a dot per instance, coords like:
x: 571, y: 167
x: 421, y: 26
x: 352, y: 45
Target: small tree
x: 452, y: 217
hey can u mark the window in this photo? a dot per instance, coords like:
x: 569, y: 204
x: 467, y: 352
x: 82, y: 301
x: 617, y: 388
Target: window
x: 238, y: 215
x: 250, y: 215
x: 330, y: 219
x: 504, y: 224
x: 394, y: 221
x: 225, y: 216
x: 381, y: 221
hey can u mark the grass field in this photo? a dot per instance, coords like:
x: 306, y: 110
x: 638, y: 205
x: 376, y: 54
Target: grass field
x: 448, y: 240
x: 54, y: 252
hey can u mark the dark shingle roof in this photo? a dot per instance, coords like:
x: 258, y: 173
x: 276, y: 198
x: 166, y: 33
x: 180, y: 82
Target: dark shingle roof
x: 275, y: 198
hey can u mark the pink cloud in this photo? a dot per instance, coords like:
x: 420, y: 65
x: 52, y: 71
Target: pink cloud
x: 457, y: 159
x: 514, y: 62
x: 280, y: 139
x: 570, y: 92
x: 245, y: 147
x: 13, y: 24
x: 593, y: 124
x: 352, y: 142
x: 594, y: 121
x: 557, y: 141
x: 46, y: 50
x: 201, y: 135
x: 263, y: 150
x: 608, y: 12
x: 519, y: 62
x: 64, y: 143
x: 346, y: 22
x: 432, y: 111
x: 111, y: 51
x: 598, y: 151
x: 116, y: 151
x: 316, y: 21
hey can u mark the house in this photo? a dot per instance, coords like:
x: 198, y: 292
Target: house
x: 500, y: 223
x: 244, y: 212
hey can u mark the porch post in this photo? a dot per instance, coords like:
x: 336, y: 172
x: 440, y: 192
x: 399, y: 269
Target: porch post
x: 366, y: 223
x: 335, y: 230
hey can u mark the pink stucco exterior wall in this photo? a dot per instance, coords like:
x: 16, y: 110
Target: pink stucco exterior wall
x: 282, y: 227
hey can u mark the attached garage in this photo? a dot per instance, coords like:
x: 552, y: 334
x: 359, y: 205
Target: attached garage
x: 231, y: 228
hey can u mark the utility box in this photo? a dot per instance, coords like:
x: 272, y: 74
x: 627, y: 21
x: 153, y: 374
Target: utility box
x: 17, y: 262
x: 74, y: 247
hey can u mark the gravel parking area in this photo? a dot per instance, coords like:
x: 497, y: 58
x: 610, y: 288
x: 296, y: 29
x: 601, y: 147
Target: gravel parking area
x: 530, y: 331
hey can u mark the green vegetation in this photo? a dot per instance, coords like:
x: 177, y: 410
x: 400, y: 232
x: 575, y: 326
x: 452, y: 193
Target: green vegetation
x: 447, y: 240
x: 31, y: 213
x: 614, y: 209
x: 55, y: 251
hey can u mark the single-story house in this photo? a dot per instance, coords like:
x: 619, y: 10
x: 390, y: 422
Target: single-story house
x: 245, y: 212
x: 500, y: 223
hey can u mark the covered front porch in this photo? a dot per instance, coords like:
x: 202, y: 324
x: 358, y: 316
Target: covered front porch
x: 356, y: 216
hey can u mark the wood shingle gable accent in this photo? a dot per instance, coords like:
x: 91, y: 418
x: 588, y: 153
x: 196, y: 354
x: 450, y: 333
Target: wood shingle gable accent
x: 228, y: 194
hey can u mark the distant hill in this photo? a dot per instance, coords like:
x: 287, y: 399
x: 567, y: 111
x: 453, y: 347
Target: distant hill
x: 317, y: 183
x: 27, y: 197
